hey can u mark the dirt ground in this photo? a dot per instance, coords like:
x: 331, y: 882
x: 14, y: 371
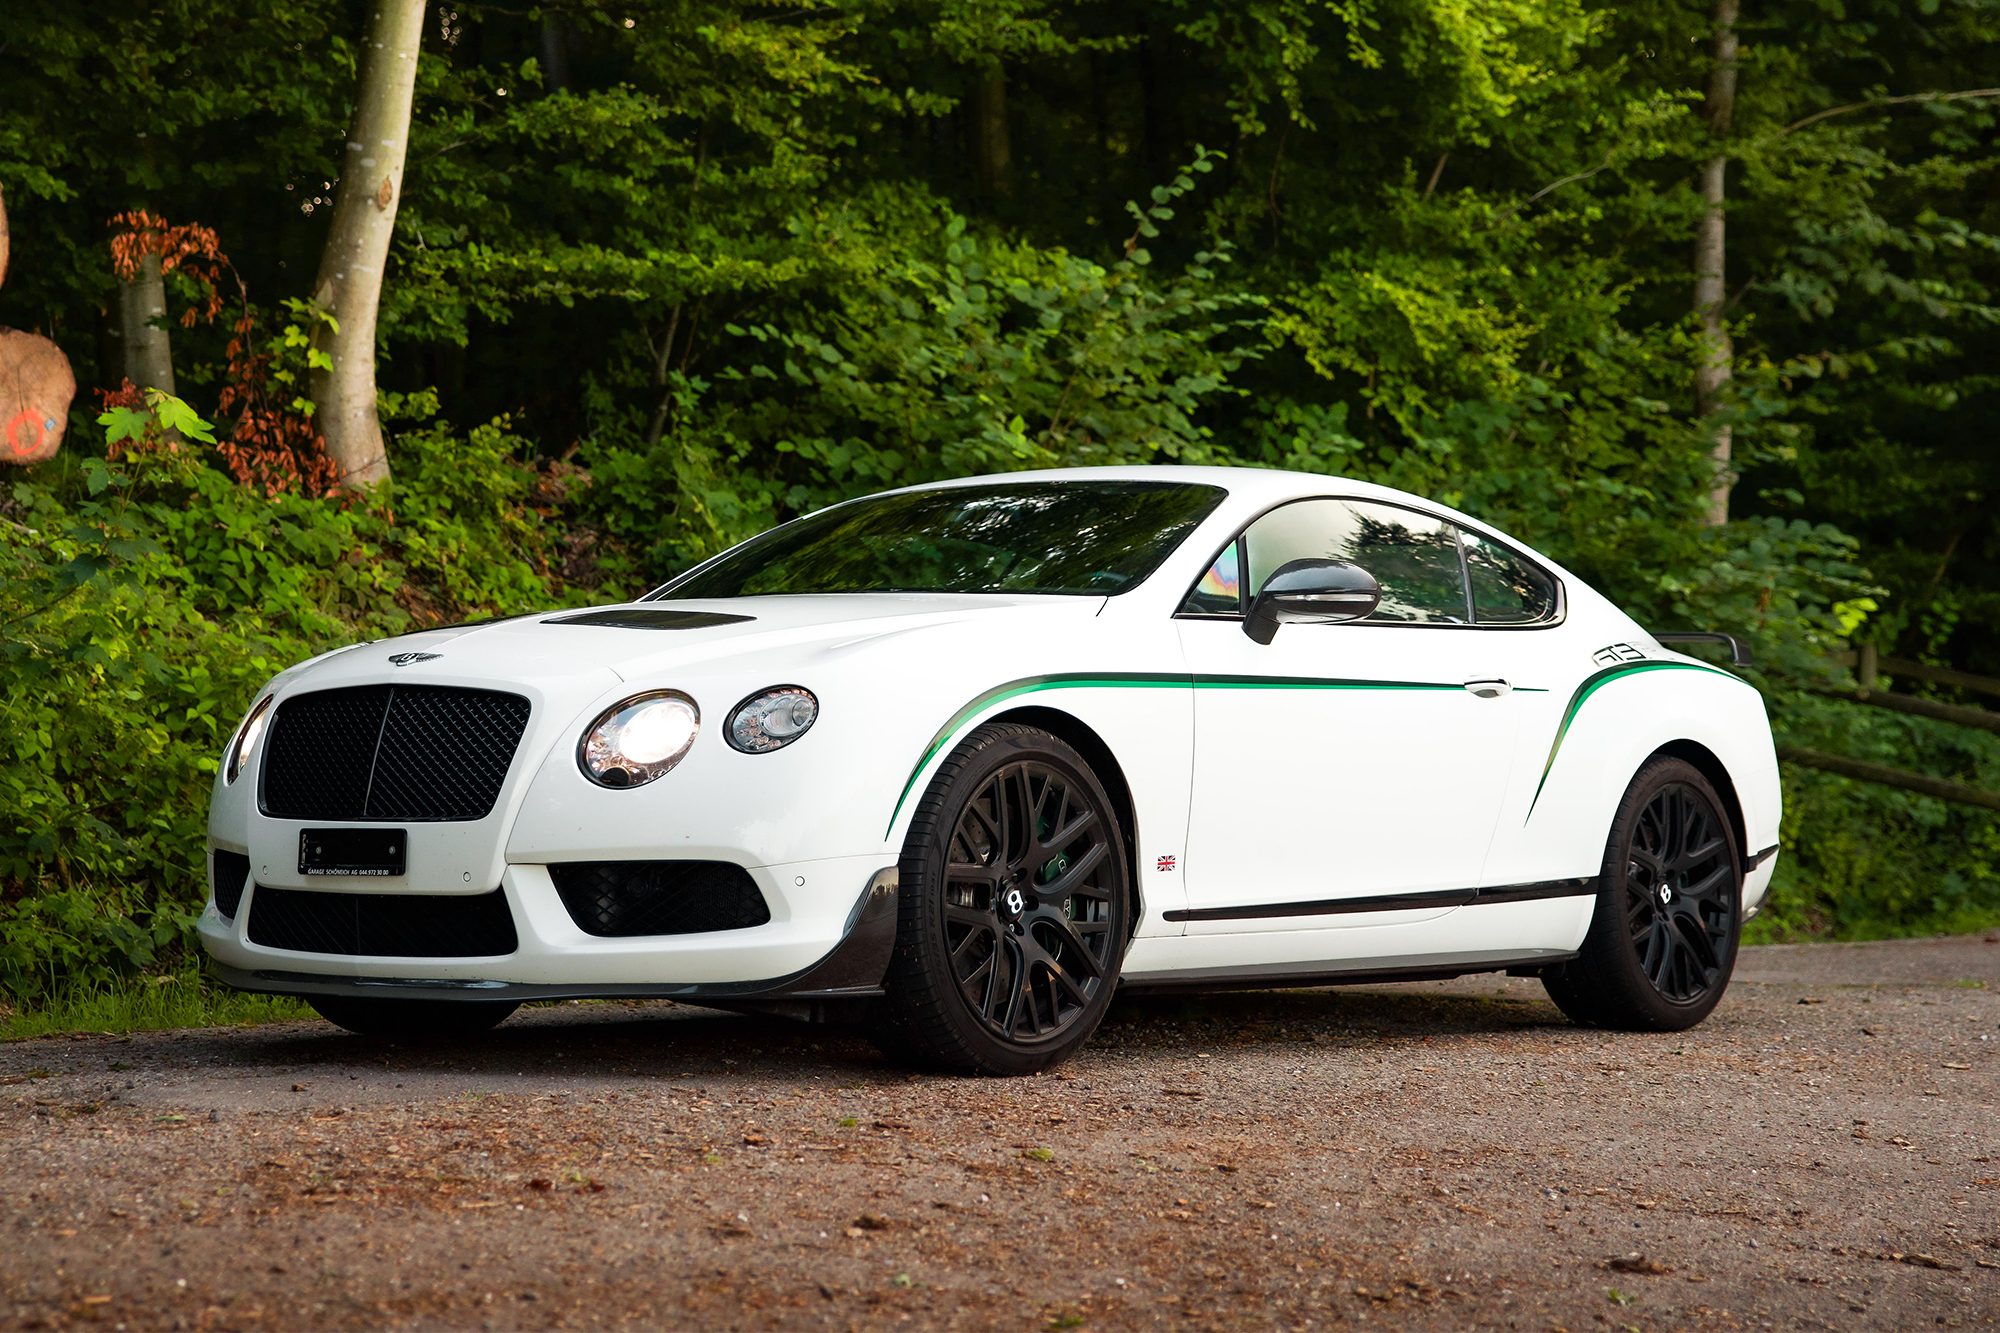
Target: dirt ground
x: 1820, y: 1154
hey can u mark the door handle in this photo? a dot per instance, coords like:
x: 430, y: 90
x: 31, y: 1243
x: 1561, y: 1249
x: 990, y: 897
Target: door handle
x: 1488, y: 687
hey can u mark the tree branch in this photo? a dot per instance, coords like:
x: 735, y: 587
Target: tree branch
x: 1552, y: 185
x: 1888, y: 101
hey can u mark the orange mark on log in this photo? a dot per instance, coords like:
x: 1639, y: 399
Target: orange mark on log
x: 18, y: 439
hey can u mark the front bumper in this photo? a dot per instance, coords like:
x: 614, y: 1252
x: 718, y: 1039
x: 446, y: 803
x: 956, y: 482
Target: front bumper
x: 833, y: 925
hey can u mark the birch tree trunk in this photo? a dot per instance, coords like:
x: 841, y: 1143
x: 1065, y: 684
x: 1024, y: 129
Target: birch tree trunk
x: 349, y: 286
x: 1712, y: 371
x: 142, y: 327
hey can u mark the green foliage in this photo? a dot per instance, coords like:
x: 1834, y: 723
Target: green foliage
x: 1866, y: 862
x: 140, y: 607
x: 169, y: 1000
x: 669, y: 271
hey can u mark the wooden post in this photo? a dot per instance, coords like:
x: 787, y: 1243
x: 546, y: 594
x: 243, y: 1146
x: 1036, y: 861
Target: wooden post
x: 1864, y: 665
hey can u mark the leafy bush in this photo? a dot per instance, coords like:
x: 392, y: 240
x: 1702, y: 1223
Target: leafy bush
x: 141, y: 604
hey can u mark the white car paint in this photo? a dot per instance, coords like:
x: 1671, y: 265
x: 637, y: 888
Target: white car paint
x: 1242, y: 795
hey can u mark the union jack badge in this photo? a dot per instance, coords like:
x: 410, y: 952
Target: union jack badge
x: 1165, y: 863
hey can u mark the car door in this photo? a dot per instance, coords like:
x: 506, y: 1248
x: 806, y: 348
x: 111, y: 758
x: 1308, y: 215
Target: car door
x: 1341, y: 762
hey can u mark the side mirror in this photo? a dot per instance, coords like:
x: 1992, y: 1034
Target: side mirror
x: 1313, y: 592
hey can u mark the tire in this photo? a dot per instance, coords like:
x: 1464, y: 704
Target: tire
x: 418, y: 1020
x: 1663, y: 941
x: 1013, y: 912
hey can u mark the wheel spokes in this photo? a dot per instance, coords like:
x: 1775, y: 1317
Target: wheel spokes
x: 1680, y: 906
x: 1028, y: 957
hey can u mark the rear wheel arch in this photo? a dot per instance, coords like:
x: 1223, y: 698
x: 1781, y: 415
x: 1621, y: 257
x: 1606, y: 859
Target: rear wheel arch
x: 1705, y: 762
x: 1079, y: 736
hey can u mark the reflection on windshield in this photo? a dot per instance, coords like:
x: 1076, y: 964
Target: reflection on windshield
x: 1078, y: 537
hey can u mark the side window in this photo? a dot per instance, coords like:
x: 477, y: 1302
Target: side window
x: 1220, y: 592
x: 1506, y: 590
x: 1414, y: 557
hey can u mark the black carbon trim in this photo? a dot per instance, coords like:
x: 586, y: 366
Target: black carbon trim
x: 1393, y: 902
x: 1227, y: 979
x: 1750, y: 863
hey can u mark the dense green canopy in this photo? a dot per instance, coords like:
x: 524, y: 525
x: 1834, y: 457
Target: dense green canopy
x: 667, y: 271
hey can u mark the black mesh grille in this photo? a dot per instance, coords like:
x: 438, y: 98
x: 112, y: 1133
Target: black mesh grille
x: 321, y: 750
x: 659, y: 897
x: 415, y: 752
x: 388, y: 925
x: 229, y: 873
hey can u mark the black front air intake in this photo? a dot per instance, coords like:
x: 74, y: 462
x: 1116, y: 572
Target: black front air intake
x: 407, y: 752
x: 229, y: 872
x: 659, y: 897
x: 383, y: 925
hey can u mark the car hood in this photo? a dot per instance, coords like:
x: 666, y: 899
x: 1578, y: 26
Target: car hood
x: 634, y: 639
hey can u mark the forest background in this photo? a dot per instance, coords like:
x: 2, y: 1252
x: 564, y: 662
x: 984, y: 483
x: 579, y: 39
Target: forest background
x: 665, y: 272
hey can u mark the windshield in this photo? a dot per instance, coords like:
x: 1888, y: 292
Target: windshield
x: 1077, y: 537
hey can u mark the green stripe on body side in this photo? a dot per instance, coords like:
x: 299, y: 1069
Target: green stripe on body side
x: 1591, y: 684
x: 1138, y: 680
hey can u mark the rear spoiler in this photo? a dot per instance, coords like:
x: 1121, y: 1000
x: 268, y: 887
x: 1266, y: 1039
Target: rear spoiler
x: 1739, y: 651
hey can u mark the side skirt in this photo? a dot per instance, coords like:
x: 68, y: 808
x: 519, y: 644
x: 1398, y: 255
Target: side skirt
x: 1394, y: 902
x: 1362, y: 971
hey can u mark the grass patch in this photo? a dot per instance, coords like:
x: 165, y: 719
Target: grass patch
x: 142, y: 1004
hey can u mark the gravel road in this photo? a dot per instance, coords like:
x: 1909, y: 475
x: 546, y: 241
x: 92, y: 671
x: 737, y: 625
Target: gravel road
x: 1820, y: 1154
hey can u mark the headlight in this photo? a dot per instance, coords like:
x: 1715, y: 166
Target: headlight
x: 772, y: 719
x: 639, y: 740
x: 245, y: 739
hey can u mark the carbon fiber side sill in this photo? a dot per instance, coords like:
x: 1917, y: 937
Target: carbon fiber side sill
x: 1393, y: 902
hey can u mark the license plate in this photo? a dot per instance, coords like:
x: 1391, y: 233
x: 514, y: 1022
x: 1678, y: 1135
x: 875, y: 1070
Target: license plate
x: 352, y: 851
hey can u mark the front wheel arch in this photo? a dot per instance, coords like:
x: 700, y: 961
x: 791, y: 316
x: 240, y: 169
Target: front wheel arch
x: 1079, y: 736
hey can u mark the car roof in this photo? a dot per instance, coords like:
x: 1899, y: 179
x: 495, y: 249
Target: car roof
x: 1242, y: 482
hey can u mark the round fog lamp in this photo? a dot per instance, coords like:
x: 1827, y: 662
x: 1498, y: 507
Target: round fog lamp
x: 772, y: 719
x: 641, y: 739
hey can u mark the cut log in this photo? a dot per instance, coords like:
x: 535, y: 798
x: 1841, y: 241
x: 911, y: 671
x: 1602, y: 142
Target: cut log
x: 36, y: 387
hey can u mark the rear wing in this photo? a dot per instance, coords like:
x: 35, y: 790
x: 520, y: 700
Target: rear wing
x: 1739, y: 651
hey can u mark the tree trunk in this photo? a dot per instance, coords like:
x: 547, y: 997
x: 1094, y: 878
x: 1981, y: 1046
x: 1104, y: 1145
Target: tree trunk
x: 349, y: 286
x: 555, y: 53
x: 1712, y: 372
x: 142, y: 323
x: 991, y: 149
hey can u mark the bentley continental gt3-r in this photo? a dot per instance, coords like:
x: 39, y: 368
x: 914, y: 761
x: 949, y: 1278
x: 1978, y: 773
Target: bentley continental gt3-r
x: 963, y: 760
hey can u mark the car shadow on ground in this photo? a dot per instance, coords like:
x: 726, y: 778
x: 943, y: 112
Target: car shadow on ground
x: 617, y: 1040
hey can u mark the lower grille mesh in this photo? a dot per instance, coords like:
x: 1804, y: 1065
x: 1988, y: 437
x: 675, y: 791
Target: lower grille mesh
x: 231, y: 870
x: 383, y: 925
x: 659, y: 897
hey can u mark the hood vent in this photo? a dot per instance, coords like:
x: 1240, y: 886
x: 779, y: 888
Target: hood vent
x: 637, y: 617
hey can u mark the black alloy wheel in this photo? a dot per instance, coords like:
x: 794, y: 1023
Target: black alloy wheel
x: 1662, y: 943
x: 1013, y: 908
x: 1680, y: 894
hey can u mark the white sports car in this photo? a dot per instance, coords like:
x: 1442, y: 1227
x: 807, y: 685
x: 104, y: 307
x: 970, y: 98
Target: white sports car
x: 965, y: 759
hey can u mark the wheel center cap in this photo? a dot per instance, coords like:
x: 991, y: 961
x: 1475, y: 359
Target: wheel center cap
x: 1666, y: 894
x: 1012, y: 904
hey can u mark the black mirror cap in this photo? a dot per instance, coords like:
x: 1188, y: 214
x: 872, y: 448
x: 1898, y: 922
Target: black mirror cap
x: 1319, y: 592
